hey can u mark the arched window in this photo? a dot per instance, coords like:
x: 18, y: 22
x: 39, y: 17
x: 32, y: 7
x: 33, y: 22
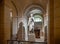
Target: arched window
x: 37, y: 18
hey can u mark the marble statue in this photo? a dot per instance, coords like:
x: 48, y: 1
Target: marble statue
x: 31, y: 23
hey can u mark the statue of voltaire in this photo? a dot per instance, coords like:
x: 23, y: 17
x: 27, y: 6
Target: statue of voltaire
x: 21, y: 32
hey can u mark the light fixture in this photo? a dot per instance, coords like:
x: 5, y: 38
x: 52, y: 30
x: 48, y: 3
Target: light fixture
x: 11, y: 13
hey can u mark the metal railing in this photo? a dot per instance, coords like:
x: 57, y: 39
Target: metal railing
x: 24, y: 42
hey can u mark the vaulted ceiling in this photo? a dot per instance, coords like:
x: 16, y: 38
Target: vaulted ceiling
x: 21, y: 4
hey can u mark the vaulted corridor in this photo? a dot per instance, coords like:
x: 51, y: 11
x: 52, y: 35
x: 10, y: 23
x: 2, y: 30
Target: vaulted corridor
x: 29, y: 22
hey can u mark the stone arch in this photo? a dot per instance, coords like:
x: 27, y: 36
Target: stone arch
x: 32, y: 7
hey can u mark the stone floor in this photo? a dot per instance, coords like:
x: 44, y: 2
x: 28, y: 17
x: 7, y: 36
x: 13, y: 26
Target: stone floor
x: 38, y: 43
x: 28, y: 43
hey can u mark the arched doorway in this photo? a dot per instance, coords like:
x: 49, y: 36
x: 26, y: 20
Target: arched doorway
x: 35, y: 30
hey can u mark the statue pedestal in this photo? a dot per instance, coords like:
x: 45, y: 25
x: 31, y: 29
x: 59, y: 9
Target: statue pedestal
x: 31, y: 37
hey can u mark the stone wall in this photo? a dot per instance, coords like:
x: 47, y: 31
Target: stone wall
x: 57, y: 21
x: 1, y: 21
